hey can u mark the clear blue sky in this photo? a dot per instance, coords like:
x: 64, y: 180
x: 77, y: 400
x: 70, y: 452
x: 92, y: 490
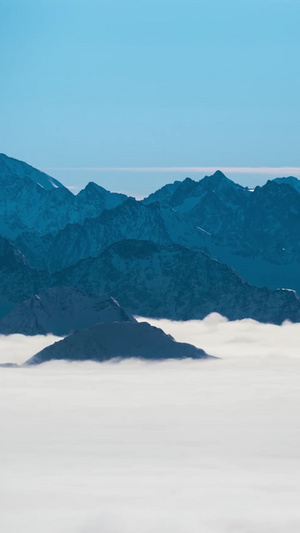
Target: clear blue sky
x: 93, y: 84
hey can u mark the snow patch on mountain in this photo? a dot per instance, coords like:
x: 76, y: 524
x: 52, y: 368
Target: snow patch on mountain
x: 10, y: 167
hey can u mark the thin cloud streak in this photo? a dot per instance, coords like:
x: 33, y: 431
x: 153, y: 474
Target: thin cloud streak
x: 236, y: 170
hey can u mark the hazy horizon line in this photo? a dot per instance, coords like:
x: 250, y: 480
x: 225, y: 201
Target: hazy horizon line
x: 241, y: 170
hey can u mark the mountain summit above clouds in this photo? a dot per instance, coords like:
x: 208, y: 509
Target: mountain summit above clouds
x: 118, y: 340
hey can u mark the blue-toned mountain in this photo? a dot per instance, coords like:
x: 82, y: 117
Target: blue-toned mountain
x: 61, y: 311
x: 174, y: 282
x: 117, y: 340
x: 32, y: 202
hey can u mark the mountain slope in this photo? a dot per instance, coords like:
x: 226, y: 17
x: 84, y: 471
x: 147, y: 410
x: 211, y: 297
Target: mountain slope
x: 17, y: 280
x: 61, y: 311
x: 215, y: 192
x: 117, y: 340
x: 256, y: 232
x: 32, y: 202
x: 290, y: 180
x: 177, y: 283
x: 235, y: 216
x: 10, y: 167
x: 130, y: 220
x: 93, y: 200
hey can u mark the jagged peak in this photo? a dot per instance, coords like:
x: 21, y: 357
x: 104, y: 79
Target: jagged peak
x: 217, y: 177
x: 287, y: 178
x: 219, y: 180
x: 92, y: 186
x: 187, y: 183
x: 220, y: 175
x: 292, y: 181
x: 92, y: 189
x: 10, y: 166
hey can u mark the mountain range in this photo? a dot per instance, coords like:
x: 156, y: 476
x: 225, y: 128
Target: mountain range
x: 189, y: 249
x: 32, y: 202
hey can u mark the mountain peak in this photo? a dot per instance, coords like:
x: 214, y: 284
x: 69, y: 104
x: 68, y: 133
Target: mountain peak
x: 220, y: 175
x: 10, y: 167
x: 118, y: 340
x: 289, y: 180
x: 61, y: 310
x: 219, y: 180
x: 94, y: 188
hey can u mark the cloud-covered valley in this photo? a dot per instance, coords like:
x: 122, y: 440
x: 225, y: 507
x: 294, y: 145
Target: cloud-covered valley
x: 178, y: 446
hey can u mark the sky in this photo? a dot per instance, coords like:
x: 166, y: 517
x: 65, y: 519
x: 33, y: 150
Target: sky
x: 91, y: 87
x: 176, y: 446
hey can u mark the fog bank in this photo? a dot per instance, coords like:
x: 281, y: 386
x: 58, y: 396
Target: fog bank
x: 241, y: 338
x: 173, y: 447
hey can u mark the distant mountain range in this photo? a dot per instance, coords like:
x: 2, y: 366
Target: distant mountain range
x: 169, y: 255
x: 178, y: 283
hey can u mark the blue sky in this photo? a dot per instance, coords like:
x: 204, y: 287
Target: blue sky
x: 117, y: 84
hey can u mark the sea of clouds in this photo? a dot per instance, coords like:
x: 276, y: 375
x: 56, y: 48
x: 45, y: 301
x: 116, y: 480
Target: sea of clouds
x: 209, y: 446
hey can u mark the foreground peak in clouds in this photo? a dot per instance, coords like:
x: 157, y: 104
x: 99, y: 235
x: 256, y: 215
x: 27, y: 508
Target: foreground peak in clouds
x: 118, y: 340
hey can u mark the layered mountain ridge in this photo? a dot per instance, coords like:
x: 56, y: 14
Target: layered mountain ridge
x: 169, y: 255
x: 172, y: 281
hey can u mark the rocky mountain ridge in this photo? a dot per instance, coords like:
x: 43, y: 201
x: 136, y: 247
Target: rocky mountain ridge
x: 172, y: 281
x: 168, y: 255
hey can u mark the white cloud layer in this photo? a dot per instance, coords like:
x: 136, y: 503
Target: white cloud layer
x: 18, y: 348
x: 173, y: 447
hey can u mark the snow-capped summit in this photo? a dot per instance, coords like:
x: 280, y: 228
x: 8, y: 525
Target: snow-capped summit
x: 34, y: 203
x: 117, y: 340
x: 61, y: 311
x: 10, y: 167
